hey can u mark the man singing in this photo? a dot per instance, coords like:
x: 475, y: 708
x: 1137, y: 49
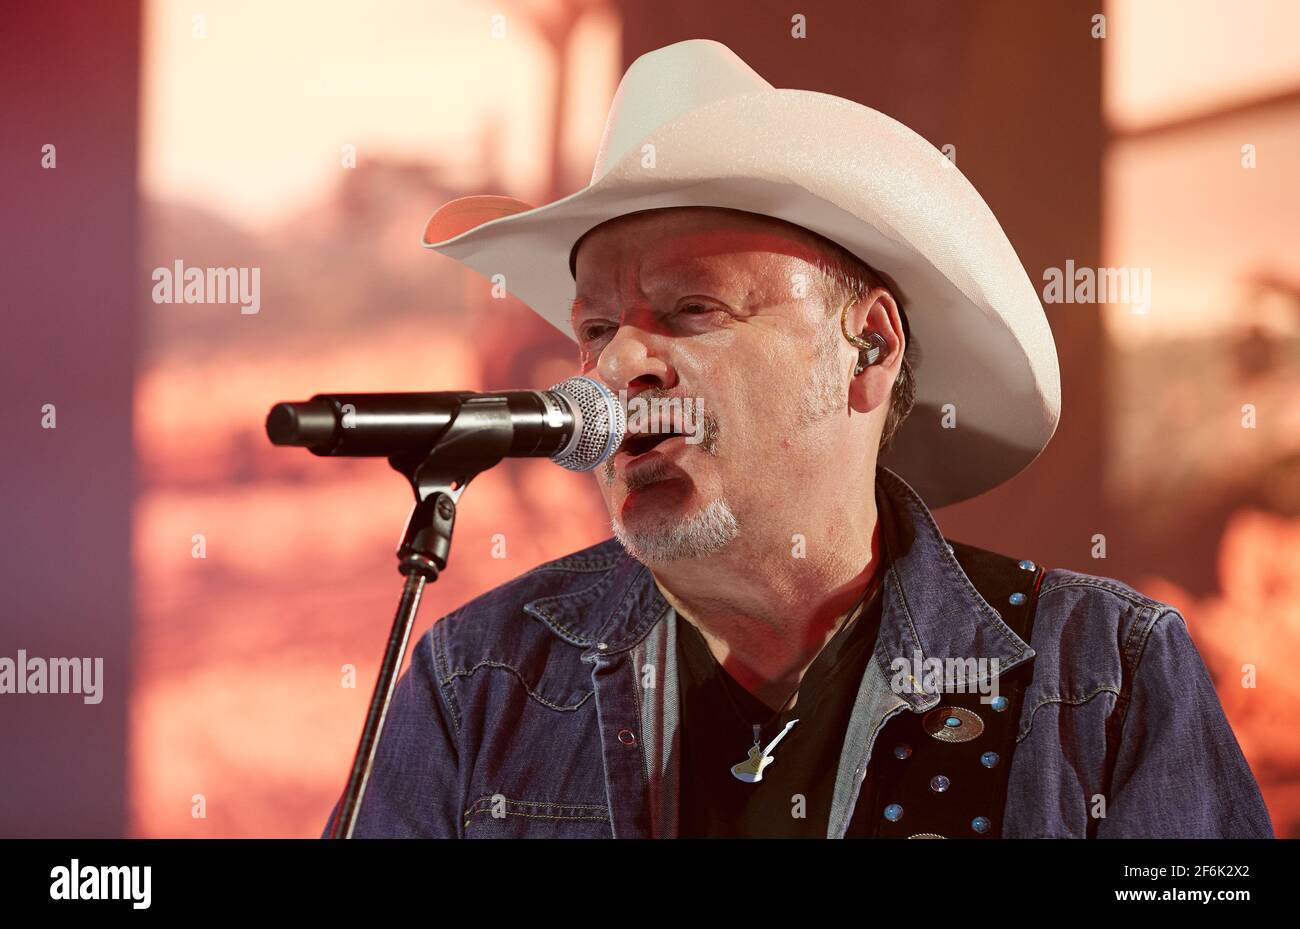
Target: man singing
x: 779, y: 642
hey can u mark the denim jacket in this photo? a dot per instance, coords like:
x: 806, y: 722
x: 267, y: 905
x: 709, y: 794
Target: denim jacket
x: 548, y: 706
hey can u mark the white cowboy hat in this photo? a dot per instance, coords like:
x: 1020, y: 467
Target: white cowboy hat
x: 693, y: 125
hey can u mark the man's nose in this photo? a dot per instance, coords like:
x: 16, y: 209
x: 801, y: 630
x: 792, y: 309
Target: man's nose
x: 635, y: 359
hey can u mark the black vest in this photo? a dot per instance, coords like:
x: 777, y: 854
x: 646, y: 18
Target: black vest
x: 943, y: 773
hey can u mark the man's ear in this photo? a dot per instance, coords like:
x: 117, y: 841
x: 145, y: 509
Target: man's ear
x: 876, y: 313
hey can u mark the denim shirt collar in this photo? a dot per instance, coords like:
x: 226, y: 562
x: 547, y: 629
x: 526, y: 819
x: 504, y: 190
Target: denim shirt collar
x: 930, y: 608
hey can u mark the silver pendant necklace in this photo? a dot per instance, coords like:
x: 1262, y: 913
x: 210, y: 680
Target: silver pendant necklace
x: 750, y: 771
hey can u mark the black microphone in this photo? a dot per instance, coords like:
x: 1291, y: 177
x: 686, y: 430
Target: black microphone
x: 578, y: 423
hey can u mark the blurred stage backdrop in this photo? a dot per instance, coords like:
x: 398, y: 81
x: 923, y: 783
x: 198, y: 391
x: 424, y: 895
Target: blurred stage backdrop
x: 312, y: 140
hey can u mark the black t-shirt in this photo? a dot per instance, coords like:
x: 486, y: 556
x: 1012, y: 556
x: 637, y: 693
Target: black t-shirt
x: 713, y: 802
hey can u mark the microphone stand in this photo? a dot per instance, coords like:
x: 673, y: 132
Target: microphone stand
x: 478, y: 438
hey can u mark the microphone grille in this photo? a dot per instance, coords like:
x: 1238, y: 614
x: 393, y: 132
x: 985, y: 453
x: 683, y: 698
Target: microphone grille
x: 599, y: 427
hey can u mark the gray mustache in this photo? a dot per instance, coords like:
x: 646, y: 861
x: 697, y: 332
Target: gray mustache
x: 708, y: 425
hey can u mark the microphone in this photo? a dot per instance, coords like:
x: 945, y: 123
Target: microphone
x: 579, y: 423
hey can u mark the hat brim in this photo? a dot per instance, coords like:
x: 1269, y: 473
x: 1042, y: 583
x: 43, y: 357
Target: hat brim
x: 988, y: 382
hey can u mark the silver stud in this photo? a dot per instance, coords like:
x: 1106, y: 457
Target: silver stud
x: 893, y: 812
x: 1028, y: 565
x: 989, y: 759
x: 1017, y: 598
x: 902, y: 751
x: 939, y: 783
x: 980, y: 824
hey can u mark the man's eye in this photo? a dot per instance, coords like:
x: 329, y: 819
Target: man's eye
x: 592, y: 332
x: 695, y: 309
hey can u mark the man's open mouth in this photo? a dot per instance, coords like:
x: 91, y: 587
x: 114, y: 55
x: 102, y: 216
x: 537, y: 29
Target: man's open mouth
x: 641, y: 443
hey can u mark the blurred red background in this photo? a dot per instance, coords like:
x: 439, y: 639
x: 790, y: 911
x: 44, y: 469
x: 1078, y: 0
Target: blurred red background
x: 312, y: 141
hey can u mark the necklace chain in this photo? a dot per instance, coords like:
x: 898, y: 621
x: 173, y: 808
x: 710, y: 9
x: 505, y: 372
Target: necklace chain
x: 848, y: 617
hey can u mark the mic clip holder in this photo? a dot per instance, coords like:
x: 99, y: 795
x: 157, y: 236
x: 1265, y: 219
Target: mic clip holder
x: 476, y: 439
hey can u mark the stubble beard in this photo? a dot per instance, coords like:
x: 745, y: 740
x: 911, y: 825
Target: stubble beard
x: 825, y: 393
x: 704, y: 532
x: 714, y: 526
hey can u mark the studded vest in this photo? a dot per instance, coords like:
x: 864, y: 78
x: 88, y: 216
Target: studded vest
x: 944, y: 773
